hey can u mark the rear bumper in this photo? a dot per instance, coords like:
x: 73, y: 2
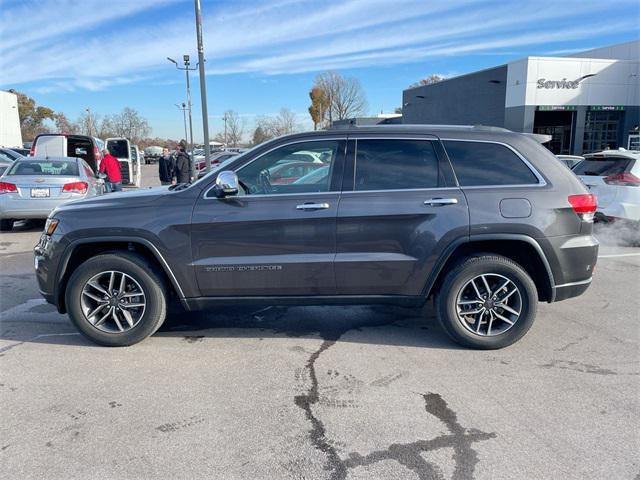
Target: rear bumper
x: 572, y: 260
x: 29, y: 208
x: 569, y: 290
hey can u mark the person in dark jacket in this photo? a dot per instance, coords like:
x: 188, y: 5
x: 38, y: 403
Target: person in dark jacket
x: 166, y: 166
x: 183, y: 166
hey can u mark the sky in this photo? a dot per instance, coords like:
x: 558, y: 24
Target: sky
x: 263, y: 55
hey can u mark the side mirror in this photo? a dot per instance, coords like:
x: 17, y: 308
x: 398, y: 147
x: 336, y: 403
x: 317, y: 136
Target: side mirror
x: 226, y: 184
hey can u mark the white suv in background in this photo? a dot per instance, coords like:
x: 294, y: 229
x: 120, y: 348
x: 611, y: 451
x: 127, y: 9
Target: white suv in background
x: 614, y: 176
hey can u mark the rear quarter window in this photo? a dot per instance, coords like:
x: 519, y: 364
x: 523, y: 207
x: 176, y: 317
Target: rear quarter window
x: 602, y: 167
x: 484, y: 164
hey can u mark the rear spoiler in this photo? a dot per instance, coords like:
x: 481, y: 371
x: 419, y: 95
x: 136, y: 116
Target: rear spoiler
x: 539, y: 137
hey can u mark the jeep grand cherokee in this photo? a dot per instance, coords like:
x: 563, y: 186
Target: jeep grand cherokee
x: 484, y: 220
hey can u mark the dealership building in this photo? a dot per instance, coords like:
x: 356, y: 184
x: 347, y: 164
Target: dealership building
x: 587, y: 102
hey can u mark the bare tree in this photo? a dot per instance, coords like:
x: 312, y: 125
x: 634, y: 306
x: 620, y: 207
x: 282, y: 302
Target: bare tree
x: 130, y: 124
x: 259, y: 136
x: 87, y: 124
x: 282, y: 124
x: 345, y: 96
x: 63, y: 125
x: 234, y: 128
x: 430, y: 80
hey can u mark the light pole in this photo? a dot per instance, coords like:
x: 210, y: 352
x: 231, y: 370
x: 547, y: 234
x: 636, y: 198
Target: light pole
x: 225, y: 129
x: 89, y: 120
x: 203, y: 87
x: 186, y: 69
x: 183, y: 107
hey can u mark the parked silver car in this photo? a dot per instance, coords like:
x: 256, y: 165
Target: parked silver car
x: 33, y: 187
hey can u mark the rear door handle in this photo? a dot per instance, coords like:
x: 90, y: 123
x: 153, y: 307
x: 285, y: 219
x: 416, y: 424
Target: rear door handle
x: 440, y: 202
x: 313, y: 206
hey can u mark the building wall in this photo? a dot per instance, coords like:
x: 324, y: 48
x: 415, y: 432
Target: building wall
x: 10, y: 135
x: 466, y: 100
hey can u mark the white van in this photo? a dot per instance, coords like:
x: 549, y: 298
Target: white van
x: 129, y: 158
x: 64, y: 145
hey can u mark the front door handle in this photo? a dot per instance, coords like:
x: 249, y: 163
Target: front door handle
x: 440, y: 202
x: 313, y: 206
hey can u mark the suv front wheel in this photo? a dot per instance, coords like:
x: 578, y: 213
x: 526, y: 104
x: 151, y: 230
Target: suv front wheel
x: 116, y: 299
x: 487, y: 301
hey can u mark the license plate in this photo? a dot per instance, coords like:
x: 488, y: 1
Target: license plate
x: 40, y: 192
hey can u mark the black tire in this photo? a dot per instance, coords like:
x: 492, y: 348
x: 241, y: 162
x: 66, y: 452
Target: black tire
x: 460, y: 275
x: 6, y: 225
x: 148, y: 277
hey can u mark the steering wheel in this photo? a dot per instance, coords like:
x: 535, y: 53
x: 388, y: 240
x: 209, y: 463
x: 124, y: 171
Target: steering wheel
x: 264, y: 180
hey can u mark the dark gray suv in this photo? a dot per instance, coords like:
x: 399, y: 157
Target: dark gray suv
x: 485, y: 220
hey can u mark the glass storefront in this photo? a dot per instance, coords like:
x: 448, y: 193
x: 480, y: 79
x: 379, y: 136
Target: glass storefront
x: 602, y: 130
x: 558, y: 124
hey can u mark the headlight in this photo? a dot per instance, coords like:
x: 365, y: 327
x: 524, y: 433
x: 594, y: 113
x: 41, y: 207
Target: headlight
x: 50, y: 226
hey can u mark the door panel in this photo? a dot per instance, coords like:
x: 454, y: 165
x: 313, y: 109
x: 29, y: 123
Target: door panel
x: 265, y: 245
x: 273, y: 239
x: 388, y: 242
x: 401, y: 214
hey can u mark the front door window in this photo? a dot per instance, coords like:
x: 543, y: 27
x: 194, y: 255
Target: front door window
x: 298, y: 168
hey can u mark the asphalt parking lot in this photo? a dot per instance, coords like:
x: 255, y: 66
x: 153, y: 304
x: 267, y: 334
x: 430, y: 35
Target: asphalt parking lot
x: 321, y: 392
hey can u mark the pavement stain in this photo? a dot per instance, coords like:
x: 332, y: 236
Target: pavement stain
x: 179, y: 425
x: 193, y: 338
x: 578, y: 367
x: 409, y: 455
x: 114, y: 404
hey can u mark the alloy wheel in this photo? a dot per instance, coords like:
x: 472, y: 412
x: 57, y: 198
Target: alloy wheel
x: 113, y: 301
x: 489, y: 304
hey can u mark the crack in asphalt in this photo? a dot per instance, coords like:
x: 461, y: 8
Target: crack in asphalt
x: 409, y: 455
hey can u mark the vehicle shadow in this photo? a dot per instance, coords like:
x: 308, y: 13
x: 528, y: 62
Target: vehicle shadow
x: 378, y: 324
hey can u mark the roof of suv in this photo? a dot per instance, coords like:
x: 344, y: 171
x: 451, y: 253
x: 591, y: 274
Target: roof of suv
x: 470, y: 132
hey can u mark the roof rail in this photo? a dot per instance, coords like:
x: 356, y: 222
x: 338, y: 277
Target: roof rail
x: 391, y: 126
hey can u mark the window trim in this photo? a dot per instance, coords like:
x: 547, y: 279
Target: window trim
x: 433, y: 139
x: 541, y: 180
x: 342, y: 138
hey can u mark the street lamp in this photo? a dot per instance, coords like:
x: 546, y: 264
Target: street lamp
x: 185, y: 59
x: 183, y: 107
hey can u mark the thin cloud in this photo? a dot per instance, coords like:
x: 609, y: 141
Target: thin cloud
x: 60, y: 45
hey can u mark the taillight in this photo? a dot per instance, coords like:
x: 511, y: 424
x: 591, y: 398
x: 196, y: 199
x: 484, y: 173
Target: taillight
x: 584, y: 205
x: 32, y: 150
x: 76, y: 187
x: 6, y: 187
x: 201, y: 165
x: 622, y: 179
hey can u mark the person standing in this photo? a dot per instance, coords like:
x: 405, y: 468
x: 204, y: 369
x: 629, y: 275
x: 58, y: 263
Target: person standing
x: 166, y: 167
x: 110, y: 165
x: 183, y: 166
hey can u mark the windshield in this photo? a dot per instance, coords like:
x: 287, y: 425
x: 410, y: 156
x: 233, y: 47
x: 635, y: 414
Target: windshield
x: 67, y: 168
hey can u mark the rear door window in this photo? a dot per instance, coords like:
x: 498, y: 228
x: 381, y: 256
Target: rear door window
x: 484, y: 164
x: 395, y: 165
x: 602, y: 167
x: 118, y: 148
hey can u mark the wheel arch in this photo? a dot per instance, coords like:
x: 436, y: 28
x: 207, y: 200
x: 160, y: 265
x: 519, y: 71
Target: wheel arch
x: 522, y: 249
x: 80, y: 250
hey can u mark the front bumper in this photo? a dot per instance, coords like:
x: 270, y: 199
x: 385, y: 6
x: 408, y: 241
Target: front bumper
x: 47, y: 255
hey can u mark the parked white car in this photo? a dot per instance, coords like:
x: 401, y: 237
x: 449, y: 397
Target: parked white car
x: 614, y: 177
x: 570, y: 160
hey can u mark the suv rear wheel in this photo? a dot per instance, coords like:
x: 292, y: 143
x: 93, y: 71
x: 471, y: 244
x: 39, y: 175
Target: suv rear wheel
x: 487, y: 302
x: 116, y: 299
